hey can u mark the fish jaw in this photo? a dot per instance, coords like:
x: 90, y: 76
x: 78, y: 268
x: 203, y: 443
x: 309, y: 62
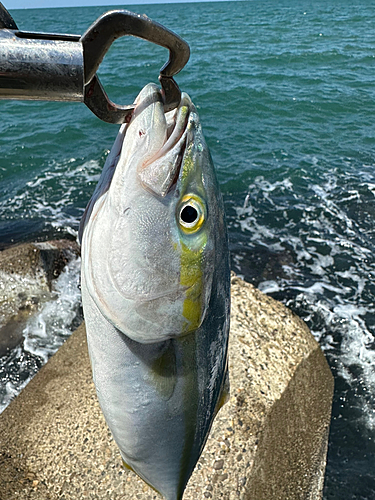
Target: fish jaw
x: 150, y: 278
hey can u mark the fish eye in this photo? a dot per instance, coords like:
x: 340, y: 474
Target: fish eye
x: 191, y: 213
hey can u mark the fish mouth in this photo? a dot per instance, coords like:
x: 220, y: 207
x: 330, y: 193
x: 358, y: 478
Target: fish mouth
x: 159, y: 173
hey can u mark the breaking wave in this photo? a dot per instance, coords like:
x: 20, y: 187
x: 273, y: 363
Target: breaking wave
x: 50, y: 202
x: 43, y: 334
x: 316, y: 242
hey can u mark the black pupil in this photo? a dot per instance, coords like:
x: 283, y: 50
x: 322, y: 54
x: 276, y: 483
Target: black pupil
x: 189, y: 214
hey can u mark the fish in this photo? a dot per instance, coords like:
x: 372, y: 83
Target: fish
x: 155, y: 282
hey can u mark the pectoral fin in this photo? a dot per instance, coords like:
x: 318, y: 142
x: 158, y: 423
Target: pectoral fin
x: 163, y: 372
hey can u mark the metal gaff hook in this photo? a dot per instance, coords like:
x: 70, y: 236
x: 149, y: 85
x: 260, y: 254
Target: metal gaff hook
x: 96, y: 42
x: 54, y: 67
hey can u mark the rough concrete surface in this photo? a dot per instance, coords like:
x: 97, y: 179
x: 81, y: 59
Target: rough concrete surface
x: 268, y: 442
x: 26, y: 274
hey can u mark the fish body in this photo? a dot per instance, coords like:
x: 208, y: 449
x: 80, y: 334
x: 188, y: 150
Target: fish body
x: 156, y: 292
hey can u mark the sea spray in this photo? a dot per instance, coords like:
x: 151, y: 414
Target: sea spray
x: 44, y: 333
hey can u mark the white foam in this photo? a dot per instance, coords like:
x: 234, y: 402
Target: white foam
x: 48, y: 330
x: 333, y: 264
x: 51, y: 195
x: 44, y: 333
x: 269, y: 287
x: 40, y: 198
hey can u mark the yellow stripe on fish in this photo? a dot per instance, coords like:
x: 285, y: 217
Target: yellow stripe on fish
x: 192, y: 277
x: 192, y: 214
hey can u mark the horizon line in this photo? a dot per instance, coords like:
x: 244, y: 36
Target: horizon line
x: 139, y: 2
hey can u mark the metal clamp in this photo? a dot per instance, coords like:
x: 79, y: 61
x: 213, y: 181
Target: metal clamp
x: 44, y: 66
x: 100, y: 36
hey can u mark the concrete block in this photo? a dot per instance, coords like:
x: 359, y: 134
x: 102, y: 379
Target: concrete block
x: 268, y: 442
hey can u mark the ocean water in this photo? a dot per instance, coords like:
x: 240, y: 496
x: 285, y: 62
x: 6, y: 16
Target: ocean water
x: 286, y: 95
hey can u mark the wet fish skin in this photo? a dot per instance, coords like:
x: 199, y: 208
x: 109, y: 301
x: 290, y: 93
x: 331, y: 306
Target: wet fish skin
x: 156, y: 294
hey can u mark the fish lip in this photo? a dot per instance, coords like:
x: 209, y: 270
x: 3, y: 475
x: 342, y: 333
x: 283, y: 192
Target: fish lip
x: 141, y: 105
x: 160, y: 173
x: 179, y: 127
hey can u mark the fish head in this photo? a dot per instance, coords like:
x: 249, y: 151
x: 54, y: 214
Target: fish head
x: 152, y: 231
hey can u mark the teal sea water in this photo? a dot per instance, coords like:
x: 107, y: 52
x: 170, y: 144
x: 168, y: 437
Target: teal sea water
x: 286, y: 95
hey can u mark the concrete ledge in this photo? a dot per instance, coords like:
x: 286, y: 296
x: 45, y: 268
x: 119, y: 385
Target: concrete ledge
x: 268, y: 442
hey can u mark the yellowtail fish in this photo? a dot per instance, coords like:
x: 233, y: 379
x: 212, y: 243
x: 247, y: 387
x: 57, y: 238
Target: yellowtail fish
x: 156, y: 292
